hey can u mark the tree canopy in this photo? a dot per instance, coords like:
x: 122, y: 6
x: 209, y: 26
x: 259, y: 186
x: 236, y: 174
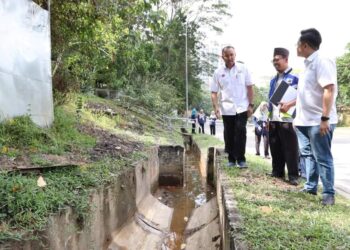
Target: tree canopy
x: 343, y: 74
x: 135, y: 47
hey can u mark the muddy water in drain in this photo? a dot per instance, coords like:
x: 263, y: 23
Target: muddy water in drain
x: 193, y: 194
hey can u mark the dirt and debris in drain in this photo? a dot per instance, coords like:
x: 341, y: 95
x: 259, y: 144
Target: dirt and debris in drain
x: 107, y: 145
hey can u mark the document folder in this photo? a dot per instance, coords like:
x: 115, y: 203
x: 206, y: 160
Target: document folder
x: 284, y: 93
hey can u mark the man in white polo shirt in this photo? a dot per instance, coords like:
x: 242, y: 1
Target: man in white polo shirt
x: 232, y: 97
x: 316, y: 115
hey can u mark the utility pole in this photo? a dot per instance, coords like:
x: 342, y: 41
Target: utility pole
x: 186, y: 67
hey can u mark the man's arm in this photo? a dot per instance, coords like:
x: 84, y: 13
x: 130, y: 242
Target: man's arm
x: 214, y: 100
x: 250, y: 94
x: 327, y: 102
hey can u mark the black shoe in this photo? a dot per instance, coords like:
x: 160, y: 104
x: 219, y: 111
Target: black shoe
x: 242, y: 164
x: 304, y: 190
x: 274, y: 176
x: 293, y: 181
x: 328, y: 200
x: 257, y: 154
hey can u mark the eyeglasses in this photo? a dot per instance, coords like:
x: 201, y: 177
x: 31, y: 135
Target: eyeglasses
x: 276, y: 59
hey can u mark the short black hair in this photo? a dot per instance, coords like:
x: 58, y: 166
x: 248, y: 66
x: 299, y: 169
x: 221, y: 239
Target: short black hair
x: 281, y: 52
x: 226, y: 48
x: 312, y: 37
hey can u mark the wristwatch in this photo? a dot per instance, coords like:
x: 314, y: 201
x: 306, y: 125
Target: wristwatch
x: 324, y: 118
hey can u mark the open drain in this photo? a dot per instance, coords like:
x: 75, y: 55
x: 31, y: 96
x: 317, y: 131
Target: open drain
x: 180, y: 214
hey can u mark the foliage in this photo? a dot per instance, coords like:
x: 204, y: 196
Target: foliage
x: 276, y: 216
x: 260, y: 94
x: 343, y: 70
x: 130, y: 46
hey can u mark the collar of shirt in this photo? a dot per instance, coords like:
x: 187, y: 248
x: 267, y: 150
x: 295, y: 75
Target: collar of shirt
x: 311, y: 57
x: 233, y: 69
x: 226, y: 68
x: 287, y: 70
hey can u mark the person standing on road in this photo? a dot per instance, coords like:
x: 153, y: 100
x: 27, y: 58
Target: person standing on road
x: 232, y: 97
x: 316, y: 115
x: 282, y: 137
x: 212, y: 122
x: 260, y: 120
x: 193, y: 120
x: 201, y: 121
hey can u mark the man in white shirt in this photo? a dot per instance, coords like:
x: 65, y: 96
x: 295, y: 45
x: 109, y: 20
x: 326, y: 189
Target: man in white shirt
x: 316, y: 115
x: 232, y: 97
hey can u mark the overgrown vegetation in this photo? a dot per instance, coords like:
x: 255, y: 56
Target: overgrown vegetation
x: 204, y: 141
x: 24, y: 206
x: 135, y: 47
x: 343, y: 69
x: 276, y: 216
x: 20, y: 134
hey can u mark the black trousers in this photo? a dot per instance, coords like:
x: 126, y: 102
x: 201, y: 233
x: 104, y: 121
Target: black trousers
x: 266, y: 143
x: 235, y: 136
x: 193, y: 127
x: 201, y: 128
x: 212, y: 129
x: 284, y: 149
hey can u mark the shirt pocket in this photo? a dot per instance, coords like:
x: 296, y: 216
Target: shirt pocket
x: 239, y: 85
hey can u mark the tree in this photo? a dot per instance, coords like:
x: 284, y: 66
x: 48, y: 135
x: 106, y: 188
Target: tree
x: 343, y: 74
x: 131, y: 46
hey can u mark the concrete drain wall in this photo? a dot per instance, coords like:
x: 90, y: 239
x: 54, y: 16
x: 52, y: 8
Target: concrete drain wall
x: 121, y: 215
x: 111, y: 208
x: 230, y: 220
x: 171, y: 164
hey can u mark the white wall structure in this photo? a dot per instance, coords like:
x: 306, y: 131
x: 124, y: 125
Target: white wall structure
x: 25, y: 62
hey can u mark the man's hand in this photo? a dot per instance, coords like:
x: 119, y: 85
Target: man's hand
x: 217, y: 113
x: 284, y: 106
x: 324, y: 127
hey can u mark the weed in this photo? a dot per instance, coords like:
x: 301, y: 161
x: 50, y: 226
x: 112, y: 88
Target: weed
x: 276, y: 216
x: 26, y: 206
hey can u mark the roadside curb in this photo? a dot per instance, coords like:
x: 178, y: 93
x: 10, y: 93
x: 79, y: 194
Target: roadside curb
x: 230, y: 218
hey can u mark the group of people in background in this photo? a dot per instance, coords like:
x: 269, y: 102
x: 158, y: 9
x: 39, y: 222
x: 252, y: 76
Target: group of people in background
x: 201, y: 119
x: 302, y: 137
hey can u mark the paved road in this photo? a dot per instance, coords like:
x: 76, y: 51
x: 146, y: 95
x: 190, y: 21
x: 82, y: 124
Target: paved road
x: 340, y: 150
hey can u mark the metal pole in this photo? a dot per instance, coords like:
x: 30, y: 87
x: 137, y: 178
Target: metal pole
x: 186, y: 71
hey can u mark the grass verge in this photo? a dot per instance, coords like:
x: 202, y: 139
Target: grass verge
x: 24, y: 206
x: 276, y: 216
x: 205, y: 141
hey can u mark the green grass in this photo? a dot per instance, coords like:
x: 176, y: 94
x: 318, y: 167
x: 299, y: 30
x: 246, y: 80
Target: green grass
x: 25, y: 207
x: 276, y: 216
x: 205, y: 141
x: 135, y: 123
x: 21, y: 134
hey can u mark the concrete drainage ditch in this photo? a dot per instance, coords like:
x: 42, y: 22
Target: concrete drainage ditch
x: 181, y: 213
x: 163, y: 203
